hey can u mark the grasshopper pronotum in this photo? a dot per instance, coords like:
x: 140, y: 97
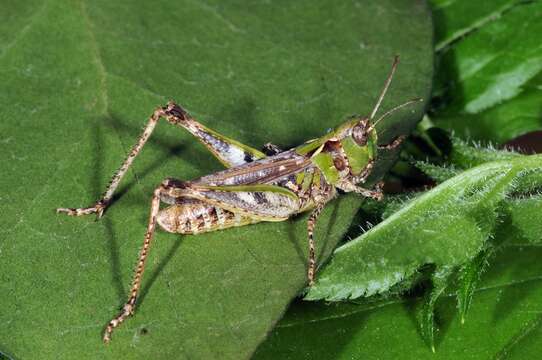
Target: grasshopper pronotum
x: 256, y: 186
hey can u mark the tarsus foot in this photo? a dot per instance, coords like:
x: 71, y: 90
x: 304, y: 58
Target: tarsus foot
x: 97, y: 209
x: 127, y: 310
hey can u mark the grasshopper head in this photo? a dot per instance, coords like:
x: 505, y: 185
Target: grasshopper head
x: 359, y: 142
x: 357, y: 137
x: 360, y: 138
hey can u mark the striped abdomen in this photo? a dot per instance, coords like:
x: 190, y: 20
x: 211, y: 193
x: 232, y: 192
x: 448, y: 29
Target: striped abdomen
x: 192, y: 216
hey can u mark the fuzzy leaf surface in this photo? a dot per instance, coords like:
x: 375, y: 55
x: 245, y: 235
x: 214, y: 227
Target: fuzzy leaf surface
x: 447, y: 226
x: 503, y: 321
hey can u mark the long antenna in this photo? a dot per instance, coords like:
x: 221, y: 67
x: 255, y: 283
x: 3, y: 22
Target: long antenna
x: 394, y: 109
x: 386, y: 86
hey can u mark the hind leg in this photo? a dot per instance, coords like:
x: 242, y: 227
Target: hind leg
x: 129, y: 307
x: 228, y: 151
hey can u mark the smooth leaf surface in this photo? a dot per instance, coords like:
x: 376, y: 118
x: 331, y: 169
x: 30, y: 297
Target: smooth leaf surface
x: 503, y: 122
x: 78, y: 81
x: 447, y: 226
x: 457, y: 19
x: 490, y: 63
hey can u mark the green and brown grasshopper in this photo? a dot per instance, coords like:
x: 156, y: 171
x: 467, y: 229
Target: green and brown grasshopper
x: 256, y: 186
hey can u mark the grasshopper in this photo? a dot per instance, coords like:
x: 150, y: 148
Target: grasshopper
x: 272, y: 185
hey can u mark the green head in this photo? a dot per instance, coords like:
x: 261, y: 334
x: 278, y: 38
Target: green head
x: 359, y: 138
x: 345, y: 151
x: 361, y: 146
x: 359, y: 143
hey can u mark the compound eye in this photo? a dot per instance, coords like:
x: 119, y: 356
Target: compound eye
x: 360, y: 134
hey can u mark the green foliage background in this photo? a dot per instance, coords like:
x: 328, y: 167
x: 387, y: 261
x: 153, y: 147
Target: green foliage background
x: 79, y: 78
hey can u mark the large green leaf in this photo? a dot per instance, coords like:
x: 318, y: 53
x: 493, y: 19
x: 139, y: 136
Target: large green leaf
x: 490, y: 67
x: 79, y: 79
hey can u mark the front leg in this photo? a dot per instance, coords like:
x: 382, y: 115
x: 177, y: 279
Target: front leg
x: 311, y: 224
x: 395, y: 143
x: 375, y: 194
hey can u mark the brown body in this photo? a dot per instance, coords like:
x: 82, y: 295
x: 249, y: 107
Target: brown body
x: 254, y: 187
x: 190, y: 214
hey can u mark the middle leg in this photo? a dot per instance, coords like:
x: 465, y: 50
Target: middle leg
x: 311, y: 224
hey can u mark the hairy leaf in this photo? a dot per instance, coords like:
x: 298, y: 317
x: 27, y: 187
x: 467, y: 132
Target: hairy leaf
x: 488, y: 53
x: 469, y: 277
x: 504, y: 318
x: 504, y: 321
x: 523, y: 214
x: 440, y: 280
x: 437, y: 172
x: 463, y: 156
x: 447, y: 226
x: 466, y: 156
